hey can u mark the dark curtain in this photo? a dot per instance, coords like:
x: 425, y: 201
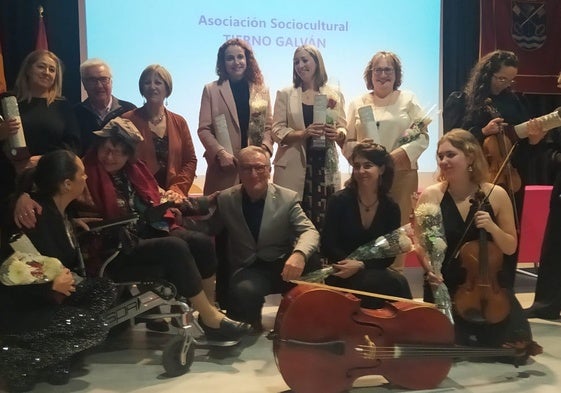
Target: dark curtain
x: 460, y: 43
x: 18, y: 31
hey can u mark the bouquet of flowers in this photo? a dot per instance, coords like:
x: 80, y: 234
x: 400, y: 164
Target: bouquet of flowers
x: 386, y: 246
x: 331, y: 155
x: 430, y: 229
x: 416, y: 129
x: 258, y: 112
x: 24, y: 268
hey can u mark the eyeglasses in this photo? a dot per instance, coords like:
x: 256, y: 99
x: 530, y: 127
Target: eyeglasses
x: 259, y: 169
x: 115, y: 152
x: 104, y: 80
x: 386, y: 70
x: 504, y: 80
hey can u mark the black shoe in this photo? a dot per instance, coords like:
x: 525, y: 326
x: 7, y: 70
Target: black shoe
x: 229, y: 330
x: 542, y: 313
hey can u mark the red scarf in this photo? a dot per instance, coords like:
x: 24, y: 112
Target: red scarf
x: 103, y: 191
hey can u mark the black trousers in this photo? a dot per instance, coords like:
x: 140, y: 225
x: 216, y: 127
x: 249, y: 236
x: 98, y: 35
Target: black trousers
x: 167, y: 258
x: 249, y: 286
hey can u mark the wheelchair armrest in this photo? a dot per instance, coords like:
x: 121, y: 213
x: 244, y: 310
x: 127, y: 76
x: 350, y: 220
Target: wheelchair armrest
x: 99, y: 226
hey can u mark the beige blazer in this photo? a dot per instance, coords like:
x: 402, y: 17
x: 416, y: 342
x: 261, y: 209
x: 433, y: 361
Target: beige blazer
x: 219, y: 100
x: 290, y: 160
x: 284, y: 227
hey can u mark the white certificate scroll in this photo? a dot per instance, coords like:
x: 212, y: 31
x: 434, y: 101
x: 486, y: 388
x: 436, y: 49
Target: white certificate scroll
x: 222, y: 134
x: 320, y: 108
x: 366, y: 115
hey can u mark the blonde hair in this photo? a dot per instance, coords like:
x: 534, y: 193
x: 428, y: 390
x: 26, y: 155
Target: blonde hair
x: 22, y: 87
x: 320, y: 77
x: 465, y: 141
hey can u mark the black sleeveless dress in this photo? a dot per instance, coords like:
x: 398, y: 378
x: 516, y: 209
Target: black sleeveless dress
x: 515, y: 327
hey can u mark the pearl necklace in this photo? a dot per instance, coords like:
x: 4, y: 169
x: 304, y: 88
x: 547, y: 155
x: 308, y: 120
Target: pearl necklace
x: 365, y: 206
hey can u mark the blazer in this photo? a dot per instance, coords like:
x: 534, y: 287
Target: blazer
x: 182, y: 160
x: 217, y: 100
x: 290, y: 160
x: 284, y: 227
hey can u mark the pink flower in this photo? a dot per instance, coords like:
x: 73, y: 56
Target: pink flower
x: 331, y: 103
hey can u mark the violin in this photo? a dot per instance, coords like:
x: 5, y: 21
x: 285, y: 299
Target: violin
x: 323, y: 341
x: 480, y: 298
x: 496, y: 148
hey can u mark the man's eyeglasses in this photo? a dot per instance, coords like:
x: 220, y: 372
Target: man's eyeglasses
x: 259, y: 169
x: 104, y: 80
x: 504, y: 80
x: 386, y: 70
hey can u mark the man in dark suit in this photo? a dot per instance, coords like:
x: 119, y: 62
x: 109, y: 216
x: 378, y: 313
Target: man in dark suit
x: 271, y: 240
x: 100, y: 106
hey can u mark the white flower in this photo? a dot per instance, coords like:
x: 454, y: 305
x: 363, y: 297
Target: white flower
x: 258, y: 105
x: 19, y: 273
x: 52, y: 267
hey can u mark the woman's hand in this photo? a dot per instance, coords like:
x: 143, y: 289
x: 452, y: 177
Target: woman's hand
x: 226, y: 160
x: 314, y: 130
x: 25, y: 210
x: 8, y: 128
x: 535, y: 131
x: 83, y: 222
x: 64, y: 283
x: 347, y: 268
x: 493, y: 127
x: 483, y: 221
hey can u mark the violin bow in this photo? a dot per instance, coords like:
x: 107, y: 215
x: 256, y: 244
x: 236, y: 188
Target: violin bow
x: 363, y: 293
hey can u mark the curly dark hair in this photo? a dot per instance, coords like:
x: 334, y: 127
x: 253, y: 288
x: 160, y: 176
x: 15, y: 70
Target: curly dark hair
x: 478, y: 87
x: 379, y: 156
x: 252, y: 72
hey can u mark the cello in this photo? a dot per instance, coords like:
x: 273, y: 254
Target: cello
x: 323, y: 341
x: 480, y: 298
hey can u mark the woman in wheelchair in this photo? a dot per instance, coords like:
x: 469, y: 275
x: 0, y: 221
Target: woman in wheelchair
x: 120, y: 185
x: 43, y: 325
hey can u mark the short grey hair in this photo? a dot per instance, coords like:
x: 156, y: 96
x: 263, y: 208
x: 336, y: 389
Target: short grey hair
x: 93, y: 63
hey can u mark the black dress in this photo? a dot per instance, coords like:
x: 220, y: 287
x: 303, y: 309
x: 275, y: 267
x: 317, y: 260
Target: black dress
x: 343, y: 233
x: 515, y: 327
x: 38, y: 331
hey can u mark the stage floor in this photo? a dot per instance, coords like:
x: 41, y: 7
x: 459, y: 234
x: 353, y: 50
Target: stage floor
x: 131, y: 363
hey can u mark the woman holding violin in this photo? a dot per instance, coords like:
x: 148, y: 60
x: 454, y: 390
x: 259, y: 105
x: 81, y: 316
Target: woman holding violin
x: 491, y: 111
x: 463, y: 173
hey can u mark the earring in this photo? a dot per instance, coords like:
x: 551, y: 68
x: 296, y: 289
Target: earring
x: 470, y: 168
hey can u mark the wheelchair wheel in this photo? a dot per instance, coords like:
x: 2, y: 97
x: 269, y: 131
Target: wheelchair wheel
x: 171, y: 357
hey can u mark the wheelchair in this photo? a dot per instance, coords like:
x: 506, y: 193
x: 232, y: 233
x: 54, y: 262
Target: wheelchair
x: 146, y: 298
